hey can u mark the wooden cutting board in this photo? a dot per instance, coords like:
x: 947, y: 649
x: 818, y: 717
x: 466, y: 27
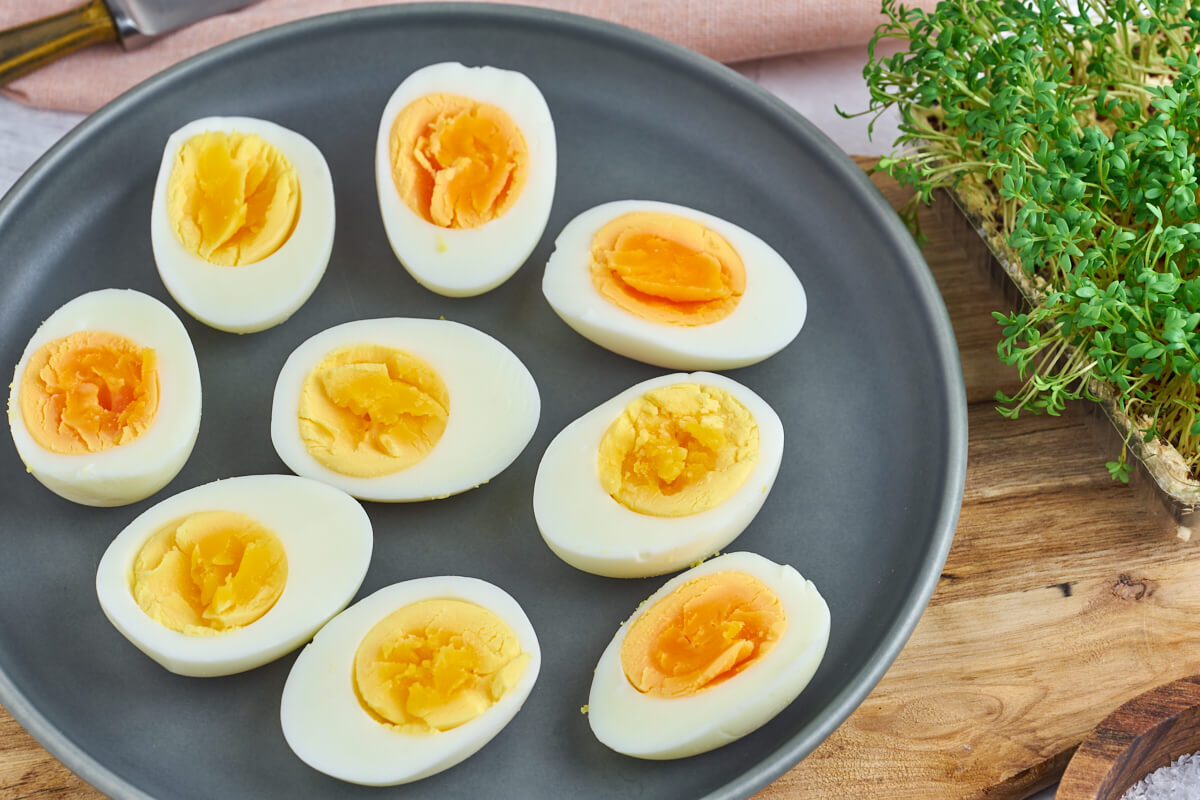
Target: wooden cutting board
x: 1063, y: 596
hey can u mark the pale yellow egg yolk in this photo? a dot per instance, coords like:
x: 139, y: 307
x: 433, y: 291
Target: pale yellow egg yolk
x: 370, y: 410
x: 436, y: 664
x: 210, y: 572
x: 456, y: 162
x: 703, y: 633
x: 88, y: 392
x: 232, y: 199
x: 667, y: 269
x: 678, y: 450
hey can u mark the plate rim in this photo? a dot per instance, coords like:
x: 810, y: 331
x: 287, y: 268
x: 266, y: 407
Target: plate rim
x: 795, y: 748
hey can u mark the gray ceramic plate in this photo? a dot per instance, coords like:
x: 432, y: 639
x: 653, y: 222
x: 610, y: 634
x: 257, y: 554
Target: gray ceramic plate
x: 870, y: 393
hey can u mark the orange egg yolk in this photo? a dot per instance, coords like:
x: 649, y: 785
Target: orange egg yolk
x: 456, y: 162
x: 678, y: 450
x: 369, y: 410
x: 88, y: 392
x: 703, y: 633
x: 667, y: 269
x: 209, y: 572
x: 436, y: 664
x: 232, y: 199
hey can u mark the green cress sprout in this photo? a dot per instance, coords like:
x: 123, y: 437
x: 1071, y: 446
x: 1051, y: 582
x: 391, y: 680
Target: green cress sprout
x: 1071, y: 129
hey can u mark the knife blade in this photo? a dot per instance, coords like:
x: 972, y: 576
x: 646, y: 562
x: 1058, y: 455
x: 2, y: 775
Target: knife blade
x: 141, y: 21
x: 133, y: 23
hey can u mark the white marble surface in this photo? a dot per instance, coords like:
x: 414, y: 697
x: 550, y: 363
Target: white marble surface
x: 25, y: 134
x: 813, y: 83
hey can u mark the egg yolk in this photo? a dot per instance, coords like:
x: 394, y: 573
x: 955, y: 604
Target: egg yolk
x: 436, y: 664
x: 667, y: 269
x: 232, y: 199
x: 369, y: 410
x: 456, y: 162
x: 88, y: 392
x: 210, y: 572
x: 678, y: 450
x: 701, y: 634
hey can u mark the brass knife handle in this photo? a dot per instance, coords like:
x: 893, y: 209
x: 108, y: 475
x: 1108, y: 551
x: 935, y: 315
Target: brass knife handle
x: 29, y: 46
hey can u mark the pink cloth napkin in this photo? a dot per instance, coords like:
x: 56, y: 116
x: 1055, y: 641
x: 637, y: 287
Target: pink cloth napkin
x: 727, y: 30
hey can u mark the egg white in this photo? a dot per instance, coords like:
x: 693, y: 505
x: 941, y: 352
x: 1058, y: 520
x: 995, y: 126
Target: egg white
x: 134, y: 471
x: 328, y: 540
x: 590, y: 530
x: 466, y: 262
x: 768, y: 317
x: 646, y: 726
x: 257, y: 296
x: 494, y: 407
x: 328, y: 729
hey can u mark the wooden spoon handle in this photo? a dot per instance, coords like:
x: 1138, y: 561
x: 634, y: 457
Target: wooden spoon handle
x: 29, y: 46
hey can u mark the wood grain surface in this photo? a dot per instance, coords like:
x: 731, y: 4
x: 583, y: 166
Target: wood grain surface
x: 1063, y: 597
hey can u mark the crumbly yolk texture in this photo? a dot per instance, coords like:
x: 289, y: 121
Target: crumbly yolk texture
x: 88, y: 392
x: 369, y: 410
x: 667, y: 269
x: 210, y: 572
x: 456, y: 162
x: 232, y: 199
x: 701, y: 634
x: 678, y: 450
x: 436, y: 664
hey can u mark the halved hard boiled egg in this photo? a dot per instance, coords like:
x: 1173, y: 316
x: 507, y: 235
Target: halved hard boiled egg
x: 401, y: 409
x: 714, y: 654
x: 410, y: 680
x: 242, y: 222
x: 233, y: 574
x: 465, y: 166
x: 104, y: 405
x: 673, y: 286
x: 662, y: 475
